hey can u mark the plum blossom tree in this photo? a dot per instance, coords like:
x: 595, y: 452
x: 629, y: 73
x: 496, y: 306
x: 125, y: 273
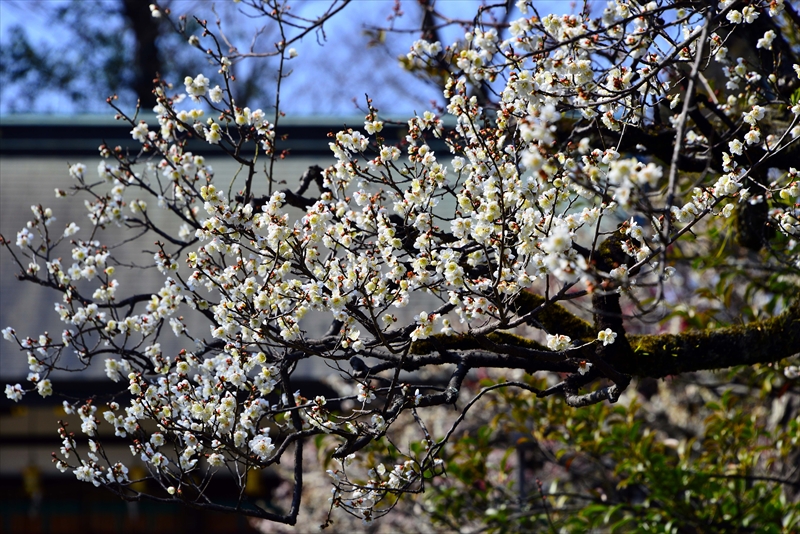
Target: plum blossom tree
x: 590, y: 166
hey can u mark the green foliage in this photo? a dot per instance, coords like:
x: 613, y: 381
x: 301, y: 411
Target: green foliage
x: 621, y: 468
x: 795, y: 96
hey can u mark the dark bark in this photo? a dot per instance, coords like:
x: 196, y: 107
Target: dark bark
x: 653, y: 356
x: 765, y: 341
x: 147, y: 62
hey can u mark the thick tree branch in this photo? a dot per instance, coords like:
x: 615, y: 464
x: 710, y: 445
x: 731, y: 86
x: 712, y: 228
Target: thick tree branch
x: 765, y: 341
x: 653, y: 356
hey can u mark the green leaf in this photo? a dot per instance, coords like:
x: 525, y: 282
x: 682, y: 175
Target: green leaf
x: 795, y: 98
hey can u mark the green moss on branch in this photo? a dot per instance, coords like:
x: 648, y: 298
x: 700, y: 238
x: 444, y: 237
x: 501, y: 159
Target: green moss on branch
x: 653, y: 356
x: 555, y: 318
x: 765, y: 341
x: 467, y: 342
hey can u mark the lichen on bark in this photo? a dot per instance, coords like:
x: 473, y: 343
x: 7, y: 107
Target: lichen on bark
x: 655, y: 355
x: 764, y: 341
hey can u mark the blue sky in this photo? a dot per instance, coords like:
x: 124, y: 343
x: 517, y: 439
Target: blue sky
x: 326, y: 78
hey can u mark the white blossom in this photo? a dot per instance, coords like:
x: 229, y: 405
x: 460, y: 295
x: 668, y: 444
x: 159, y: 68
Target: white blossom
x: 262, y: 446
x: 766, y: 40
x: 607, y: 336
x: 558, y: 342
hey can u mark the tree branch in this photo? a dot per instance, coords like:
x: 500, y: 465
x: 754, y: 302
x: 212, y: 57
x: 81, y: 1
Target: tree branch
x: 765, y: 341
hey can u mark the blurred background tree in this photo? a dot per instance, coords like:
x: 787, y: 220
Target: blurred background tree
x: 59, y: 55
